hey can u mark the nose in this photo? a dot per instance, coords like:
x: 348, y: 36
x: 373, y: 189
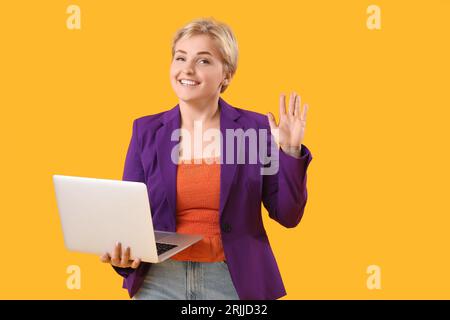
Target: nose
x: 188, y: 69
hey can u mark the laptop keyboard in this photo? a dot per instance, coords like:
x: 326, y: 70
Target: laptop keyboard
x: 164, y: 247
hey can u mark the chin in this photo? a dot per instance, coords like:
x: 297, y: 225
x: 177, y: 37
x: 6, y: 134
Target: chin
x: 189, y: 97
x: 186, y: 98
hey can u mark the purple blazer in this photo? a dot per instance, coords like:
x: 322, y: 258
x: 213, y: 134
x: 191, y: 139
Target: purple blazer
x: 250, y: 259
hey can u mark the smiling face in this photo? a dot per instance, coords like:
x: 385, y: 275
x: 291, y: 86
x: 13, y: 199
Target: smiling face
x: 196, y: 58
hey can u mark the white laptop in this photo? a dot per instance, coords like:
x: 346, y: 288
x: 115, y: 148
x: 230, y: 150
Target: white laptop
x: 97, y: 213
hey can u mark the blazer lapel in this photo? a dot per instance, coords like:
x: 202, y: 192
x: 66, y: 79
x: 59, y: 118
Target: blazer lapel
x: 228, y: 117
x: 167, y: 167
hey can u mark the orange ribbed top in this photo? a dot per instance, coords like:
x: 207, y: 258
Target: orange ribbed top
x: 198, y: 198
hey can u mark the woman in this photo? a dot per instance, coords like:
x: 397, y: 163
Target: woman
x: 218, y: 195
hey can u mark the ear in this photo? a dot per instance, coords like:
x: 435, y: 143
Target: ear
x: 226, y: 77
x: 226, y: 80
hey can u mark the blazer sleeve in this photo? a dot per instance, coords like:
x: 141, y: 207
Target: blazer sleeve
x: 133, y: 171
x: 284, y: 194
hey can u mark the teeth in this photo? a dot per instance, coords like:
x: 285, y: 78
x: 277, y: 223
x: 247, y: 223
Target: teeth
x: 188, y: 82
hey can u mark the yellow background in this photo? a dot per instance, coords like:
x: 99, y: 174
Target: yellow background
x: 377, y: 128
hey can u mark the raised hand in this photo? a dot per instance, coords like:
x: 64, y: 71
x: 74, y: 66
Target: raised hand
x: 290, y: 131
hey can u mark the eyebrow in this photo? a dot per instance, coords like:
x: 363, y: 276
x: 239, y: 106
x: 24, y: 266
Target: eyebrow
x: 200, y: 52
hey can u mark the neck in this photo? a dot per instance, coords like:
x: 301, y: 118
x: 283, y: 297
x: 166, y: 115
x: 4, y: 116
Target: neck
x: 206, y: 111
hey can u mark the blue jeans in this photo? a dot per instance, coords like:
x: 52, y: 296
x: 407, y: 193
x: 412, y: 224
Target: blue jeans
x: 187, y: 280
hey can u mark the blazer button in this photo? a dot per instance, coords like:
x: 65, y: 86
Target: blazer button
x: 226, y: 228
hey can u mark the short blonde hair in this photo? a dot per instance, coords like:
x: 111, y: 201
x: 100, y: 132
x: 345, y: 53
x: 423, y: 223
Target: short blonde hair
x: 221, y: 34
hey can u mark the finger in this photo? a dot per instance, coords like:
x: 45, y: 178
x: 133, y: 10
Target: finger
x: 105, y: 258
x: 282, y: 104
x: 115, y: 259
x: 297, y: 106
x: 305, y: 111
x: 125, y: 257
x: 272, y: 123
x: 291, y: 103
x: 136, y: 263
x: 273, y: 126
